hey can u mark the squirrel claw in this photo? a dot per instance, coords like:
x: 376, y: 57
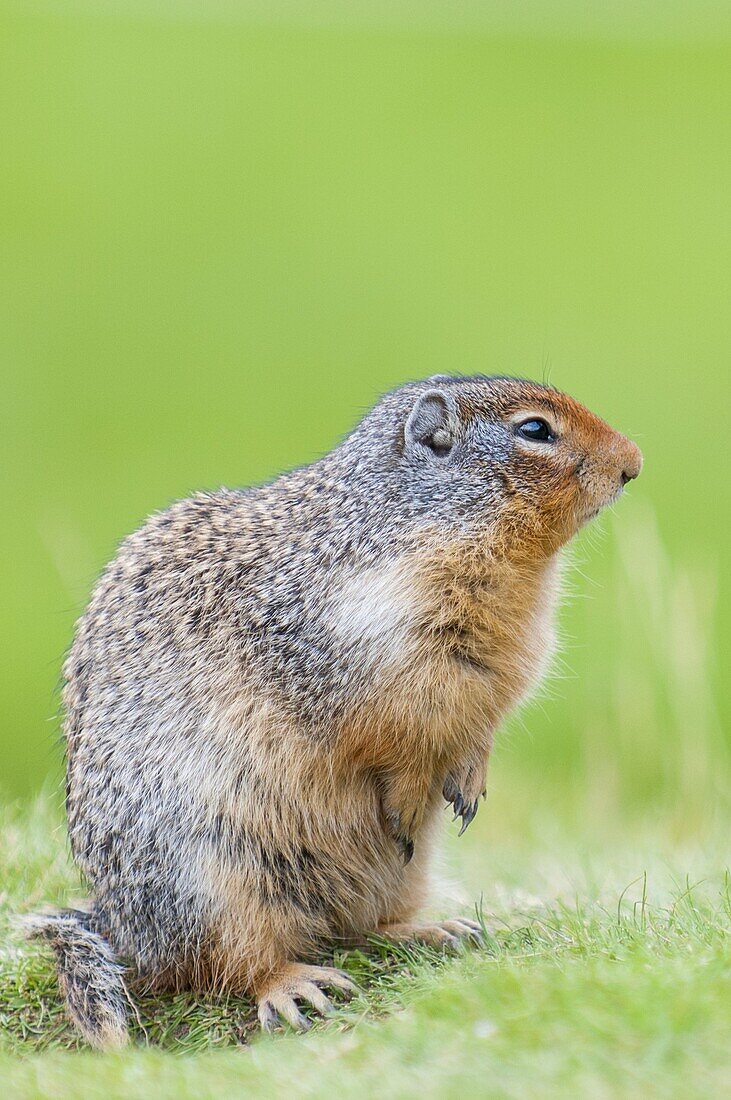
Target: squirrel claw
x: 278, y: 1003
x: 404, y: 842
x: 462, y: 807
x: 468, y: 815
x: 407, y: 849
x: 465, y: 810
x: 405, y: 846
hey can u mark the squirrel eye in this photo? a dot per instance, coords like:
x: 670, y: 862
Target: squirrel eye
x: 536, y: 430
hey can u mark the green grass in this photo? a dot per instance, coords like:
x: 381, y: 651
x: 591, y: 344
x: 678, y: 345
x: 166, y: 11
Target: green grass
x: 595, y: 985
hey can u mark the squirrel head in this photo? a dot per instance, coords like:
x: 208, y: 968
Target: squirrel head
x: 517, y: 459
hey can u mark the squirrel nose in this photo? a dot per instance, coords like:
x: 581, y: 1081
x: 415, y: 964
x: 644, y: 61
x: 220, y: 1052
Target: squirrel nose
x: 632, y: 462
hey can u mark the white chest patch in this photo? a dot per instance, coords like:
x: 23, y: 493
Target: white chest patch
x: 375, y: 610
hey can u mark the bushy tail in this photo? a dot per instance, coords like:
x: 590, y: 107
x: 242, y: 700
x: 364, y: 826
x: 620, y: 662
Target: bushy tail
x: 89, y: 976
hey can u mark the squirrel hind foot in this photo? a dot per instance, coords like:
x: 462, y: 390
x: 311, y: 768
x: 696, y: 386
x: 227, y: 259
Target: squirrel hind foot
x: 297, y: 982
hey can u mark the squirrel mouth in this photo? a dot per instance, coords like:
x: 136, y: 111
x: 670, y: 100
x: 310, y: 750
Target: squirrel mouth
x: 589, y: 516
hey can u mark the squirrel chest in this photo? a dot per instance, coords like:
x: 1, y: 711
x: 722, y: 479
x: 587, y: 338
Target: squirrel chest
x: 446, y: 641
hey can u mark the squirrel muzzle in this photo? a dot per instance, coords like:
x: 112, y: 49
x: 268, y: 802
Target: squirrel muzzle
x: 603, y: 474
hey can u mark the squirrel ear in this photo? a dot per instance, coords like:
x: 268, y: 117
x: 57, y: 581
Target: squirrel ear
x: 433, y: 423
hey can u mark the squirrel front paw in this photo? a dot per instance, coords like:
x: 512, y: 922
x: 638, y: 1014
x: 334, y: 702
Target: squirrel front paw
x: 463, y: 792
x: 404, y: 841
x: 403, y: 809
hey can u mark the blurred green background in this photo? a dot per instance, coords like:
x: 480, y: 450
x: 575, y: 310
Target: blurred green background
x: 226, y: 228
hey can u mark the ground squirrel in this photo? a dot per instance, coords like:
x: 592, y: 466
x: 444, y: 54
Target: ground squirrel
x: 273, y: 691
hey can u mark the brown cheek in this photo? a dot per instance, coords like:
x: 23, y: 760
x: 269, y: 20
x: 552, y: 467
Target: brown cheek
x: 560, y: 507
x: 540, y: 513
x: 532, y: 526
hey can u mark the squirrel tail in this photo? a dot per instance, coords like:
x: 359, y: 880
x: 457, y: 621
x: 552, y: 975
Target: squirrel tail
x: 89, y: 976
